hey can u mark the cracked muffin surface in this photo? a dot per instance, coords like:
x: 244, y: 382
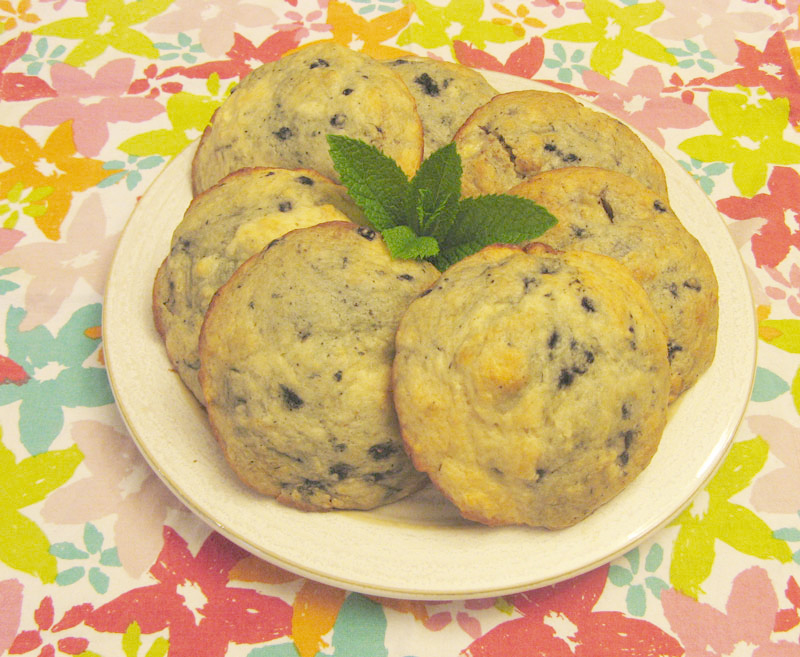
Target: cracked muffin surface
x: 296, y: 353
x: 222, y: 228
x: 280, y: 114
x: 519, y: 134
x: 610, y: 213
x: 531, y: 385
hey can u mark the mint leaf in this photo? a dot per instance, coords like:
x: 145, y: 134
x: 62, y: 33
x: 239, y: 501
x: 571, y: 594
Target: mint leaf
x: 437, y: 186
x: 426, y: 218
x: 374, y: 180
x: 491, y: 219
x: 406, y: 244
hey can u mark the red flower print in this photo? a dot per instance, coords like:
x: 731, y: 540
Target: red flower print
x: 38, y: 639
x: 12, y: 372
x: 746, y: 625
x: 559, y: 621
x: 780, y: 207
x: 525, y: 61
x: 244, y: 56
x: 193, y: 602
x: 786, y: 619
x: 18, y: 86
x: 772, y: 69
x: 152, y: 85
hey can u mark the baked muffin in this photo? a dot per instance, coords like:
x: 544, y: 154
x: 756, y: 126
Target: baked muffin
x: 282, y: 111
x: 296, y: 353
x: 221, y: 229
x: 446, y: 94
x: 610, y: 213
x: 519, y: 134
x: 531, y: 384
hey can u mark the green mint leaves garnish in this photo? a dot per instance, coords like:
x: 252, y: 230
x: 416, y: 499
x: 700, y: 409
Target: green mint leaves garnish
x: 425, y: 217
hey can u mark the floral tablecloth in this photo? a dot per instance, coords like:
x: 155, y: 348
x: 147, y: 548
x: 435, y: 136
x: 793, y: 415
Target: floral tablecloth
x: 97, y: 557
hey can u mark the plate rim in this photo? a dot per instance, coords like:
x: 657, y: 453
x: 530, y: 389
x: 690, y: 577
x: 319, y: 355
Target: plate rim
x: 715, y: 458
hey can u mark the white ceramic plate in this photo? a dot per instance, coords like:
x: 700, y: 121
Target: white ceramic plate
x: 418, y: 548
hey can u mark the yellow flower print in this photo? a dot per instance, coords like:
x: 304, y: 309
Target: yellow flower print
x: 752, y: 127
x: 21, y: 13
x: 459, y: 20
x: 356, y: 32
x: 713, y: 517
x: 53, y: 166
x: 614, y: 29
x: 521, y: 15
x: 107, y: 25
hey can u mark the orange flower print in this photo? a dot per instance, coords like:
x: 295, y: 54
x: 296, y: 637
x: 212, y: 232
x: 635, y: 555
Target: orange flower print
x: 53, y: 165
x: 368, y: 36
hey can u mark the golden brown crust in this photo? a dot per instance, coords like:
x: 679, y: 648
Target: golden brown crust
x: 519, y: 134
x: 531, y: 385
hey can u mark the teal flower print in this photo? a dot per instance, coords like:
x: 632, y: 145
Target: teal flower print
x: 184, y: 49
x: 57, y: 377
x: 704, y: 174
x: 368, y: 6
x: 129, y: 170
x: 636, y: 599
x: 93, y: 552
x: 42, y: 56
x: 691, y: 55
x: 566, y: 66
x: 790, y: 535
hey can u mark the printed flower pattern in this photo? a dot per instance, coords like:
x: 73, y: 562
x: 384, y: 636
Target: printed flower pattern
x: 18, y: 86
x: 615, y: 30
x: 560, y: 620
x: 53, y: 165
x: 779, y: 208
x: 752, y: 129
x: 98, y: 95
x: 77, y: 91
x: 712, y: 517
x: 192, y: 599
x: 216, y: 21
x: 120, y: 484
x: 644, y: 102
x: 744, y: 627
x: 57, y: 377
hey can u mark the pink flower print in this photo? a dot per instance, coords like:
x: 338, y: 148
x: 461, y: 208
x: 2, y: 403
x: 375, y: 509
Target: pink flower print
x: 56, y: 267
x: 304, y: 25
x: 746, y: 625
x: 90, y: 119
x: 778, y: 491
x: 10, y: 612
x: 560, y: 621
x: 120, y: 483
x: 714, y: 20
x: 18, y: 86
x: 780, y: 209
x: 216, y: 20
x: 772, y: 69
x: 788, y: 289
x: 43, y: 638
x: 193, y: 601
x: 557, y: 7
x: 644, y: 102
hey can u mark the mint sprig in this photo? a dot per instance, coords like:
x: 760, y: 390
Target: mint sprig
x: 425, y: 217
